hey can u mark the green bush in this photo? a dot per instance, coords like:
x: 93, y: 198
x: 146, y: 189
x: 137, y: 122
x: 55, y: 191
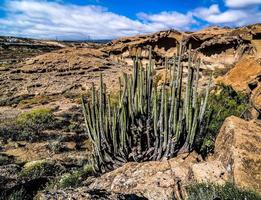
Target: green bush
x: 203, y: 191
x: 32, y: 123
x: 222, y: 103
x: 28, y: 125
x: 39, y: 168
x: 88, y: 170
x: 70, y: 180
x: 36, y: 119
x: 75, y: 178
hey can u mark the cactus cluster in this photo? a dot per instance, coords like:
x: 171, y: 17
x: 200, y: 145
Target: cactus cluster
x: 151, y: 121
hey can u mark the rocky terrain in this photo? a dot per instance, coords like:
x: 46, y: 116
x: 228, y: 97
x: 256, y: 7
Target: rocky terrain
x: 45, y: 152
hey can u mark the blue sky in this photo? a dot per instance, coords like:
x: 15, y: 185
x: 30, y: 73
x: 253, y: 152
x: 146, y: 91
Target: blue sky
x: 109, y: 19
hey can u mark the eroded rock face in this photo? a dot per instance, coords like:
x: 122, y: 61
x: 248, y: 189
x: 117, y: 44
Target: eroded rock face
x: 217, y: 47
x: 210, y: 171
x: 238, y: 148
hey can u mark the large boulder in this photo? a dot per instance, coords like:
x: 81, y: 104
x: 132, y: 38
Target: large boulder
x: 161, y: 179
x: 238, y: 148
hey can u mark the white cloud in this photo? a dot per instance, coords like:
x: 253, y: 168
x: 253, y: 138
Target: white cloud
x: 51, y: 19
x: 241, y: 3
x: 43, y: 19
x: 237, y: 17
x: 169, y: 19
x: 205, y: 12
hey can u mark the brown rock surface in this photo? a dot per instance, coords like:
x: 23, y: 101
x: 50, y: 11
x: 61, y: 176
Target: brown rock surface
x: 72, y: 69
x: 245, y: 77
x: 216, y: 46
x: 244, y: 72
x: 210, y: 171
x: 238, y: 148
x: 161, y: 179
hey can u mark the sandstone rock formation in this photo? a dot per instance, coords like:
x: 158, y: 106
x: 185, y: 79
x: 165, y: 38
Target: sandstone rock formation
x: 154, y: 180
x: 241, y: 77
x: 72, y: 69
x: 217, y: 47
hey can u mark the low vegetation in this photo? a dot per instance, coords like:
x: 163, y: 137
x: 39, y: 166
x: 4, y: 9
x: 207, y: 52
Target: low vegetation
x: 14, y: 100
x: 222, y: 103
x: 33, y: 101
x: 29, y: 125
x: 203, y: 191
x: 19, y: 194
x: 73, y: 178
x: 41, y: 168
x: 36, y: 120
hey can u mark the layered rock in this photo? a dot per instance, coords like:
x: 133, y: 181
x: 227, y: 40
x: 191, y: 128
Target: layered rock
x: 217, y: 47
